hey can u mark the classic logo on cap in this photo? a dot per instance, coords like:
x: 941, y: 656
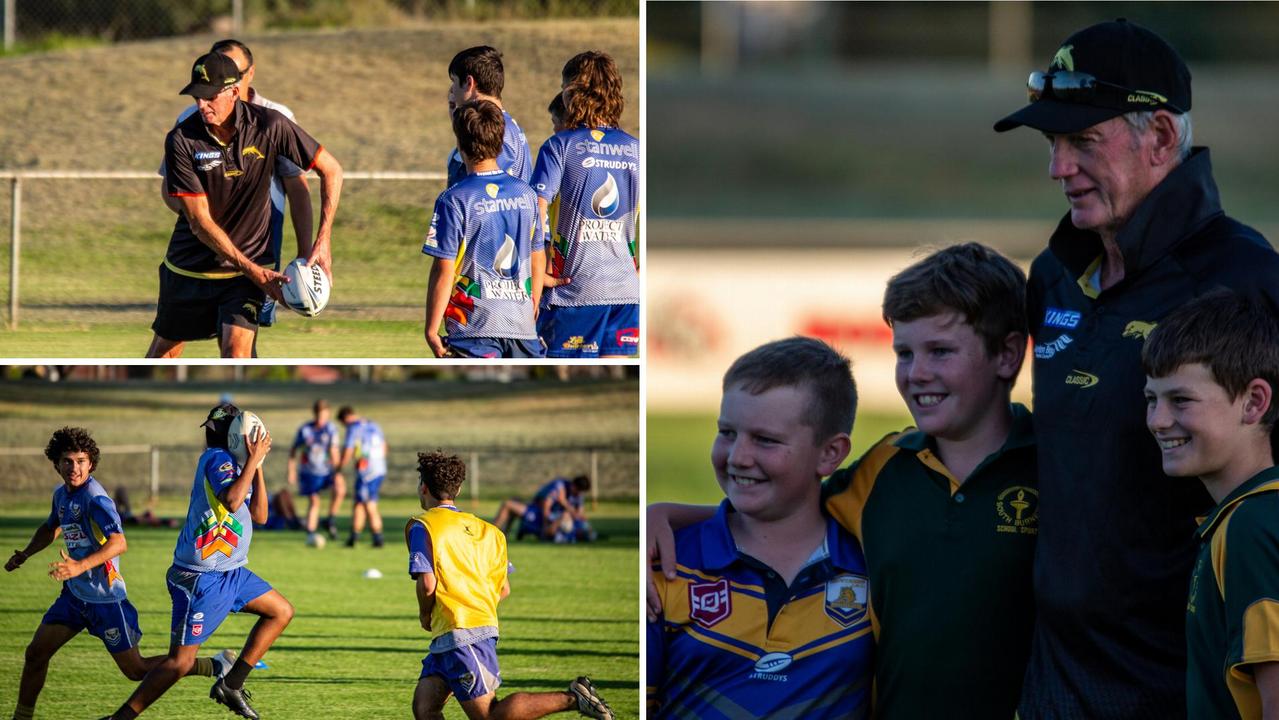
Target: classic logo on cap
x: 1063, y: 58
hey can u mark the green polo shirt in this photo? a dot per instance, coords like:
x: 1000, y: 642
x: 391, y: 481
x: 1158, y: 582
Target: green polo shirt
x: 950, y: 572
x: 1232, y: 617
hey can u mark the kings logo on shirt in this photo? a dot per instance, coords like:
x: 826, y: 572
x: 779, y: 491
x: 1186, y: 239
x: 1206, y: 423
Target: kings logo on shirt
x: 846, y: 598
x: 710, y: 603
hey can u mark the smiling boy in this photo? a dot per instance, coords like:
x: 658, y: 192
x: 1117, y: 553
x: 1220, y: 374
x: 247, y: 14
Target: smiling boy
x: 766, y: 615
x: 947, y: 513
x: 1212, y: 367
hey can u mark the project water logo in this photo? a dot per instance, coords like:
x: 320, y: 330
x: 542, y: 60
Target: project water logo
x: 606, y: 198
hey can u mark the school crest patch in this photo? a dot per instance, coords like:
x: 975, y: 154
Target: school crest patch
x: 846, y: 598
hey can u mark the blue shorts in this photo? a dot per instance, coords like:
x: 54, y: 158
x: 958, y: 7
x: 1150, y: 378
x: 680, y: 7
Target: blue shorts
x: 309, y: 484
x: 114, y: 623
x: 590, y: 331
x: 367, y: 490
x: 494, y: 348
x: 471, y: 670
x: 202, y: 600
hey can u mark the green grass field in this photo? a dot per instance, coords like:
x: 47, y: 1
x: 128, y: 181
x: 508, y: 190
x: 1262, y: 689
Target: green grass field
x: 354, y: 648
x: 679, y: 453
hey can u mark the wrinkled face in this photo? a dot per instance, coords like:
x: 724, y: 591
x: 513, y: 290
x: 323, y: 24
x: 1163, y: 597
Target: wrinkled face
x: 765, y: 455
x: 1104, y: 171
x: 948, y: 380
x: 1195, y: 422
x: 74, y: 468
x: 217, y: 110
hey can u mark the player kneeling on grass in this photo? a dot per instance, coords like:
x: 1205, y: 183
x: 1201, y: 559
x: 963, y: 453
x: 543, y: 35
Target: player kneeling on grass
x: 952, y: 504
x: 208, y: 578
x: 486, y: 278
x: 460, y: 566
x: 93, y: 594
x: 767, y: 615
x: 1212, y: 367
x: 555, y: 512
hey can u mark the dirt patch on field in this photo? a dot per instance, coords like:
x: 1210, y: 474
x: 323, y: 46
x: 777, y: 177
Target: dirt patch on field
x: 374, y: 98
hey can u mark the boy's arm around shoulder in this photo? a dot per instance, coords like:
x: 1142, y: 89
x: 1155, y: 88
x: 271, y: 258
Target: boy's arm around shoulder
x: 845, y: 492
x: 661, y: 521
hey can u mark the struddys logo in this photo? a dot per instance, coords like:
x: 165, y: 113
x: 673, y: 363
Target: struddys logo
x: 710, y: 603
x: 606, y: 199
x: 1017, y: 508
x: 846, y: 598
x: 772, y: 667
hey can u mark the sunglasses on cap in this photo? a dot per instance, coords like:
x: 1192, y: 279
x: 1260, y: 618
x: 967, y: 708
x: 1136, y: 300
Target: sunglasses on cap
x: 1079, y: 87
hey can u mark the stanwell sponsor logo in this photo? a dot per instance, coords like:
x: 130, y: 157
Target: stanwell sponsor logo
x: 502, y: 204
x: 598, y: 148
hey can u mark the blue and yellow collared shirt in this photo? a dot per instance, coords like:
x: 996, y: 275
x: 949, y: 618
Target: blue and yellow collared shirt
x: 736, y: 642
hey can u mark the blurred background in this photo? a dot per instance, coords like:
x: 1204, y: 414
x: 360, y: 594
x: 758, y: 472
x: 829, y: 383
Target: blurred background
x: 89, y: 88
x: 809, y: 151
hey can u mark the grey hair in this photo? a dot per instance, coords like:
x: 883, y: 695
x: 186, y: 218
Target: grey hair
x: 1139, y: 121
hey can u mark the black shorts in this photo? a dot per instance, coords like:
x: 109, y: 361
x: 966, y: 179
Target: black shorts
x: 197, y: 308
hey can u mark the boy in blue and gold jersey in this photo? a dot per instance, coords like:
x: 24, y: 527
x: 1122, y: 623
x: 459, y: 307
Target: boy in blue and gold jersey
x: 208, y: 579
x: 459, y: 564
x: 1212, y: 367
x: 952, y: 503
x: 488, y: 265
x: 93, y: 593
x: 767, y: 613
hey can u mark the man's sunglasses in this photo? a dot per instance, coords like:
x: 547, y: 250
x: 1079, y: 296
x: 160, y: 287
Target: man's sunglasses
x: 1078, y: 87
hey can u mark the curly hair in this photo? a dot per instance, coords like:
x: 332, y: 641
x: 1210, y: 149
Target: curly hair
x: 592, y: 91
x: 442, y: 474
x: 71, y: 440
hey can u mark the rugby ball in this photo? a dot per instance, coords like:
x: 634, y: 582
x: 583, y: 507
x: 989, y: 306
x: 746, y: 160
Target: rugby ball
x: 246, y: 424
x: 307, y: 291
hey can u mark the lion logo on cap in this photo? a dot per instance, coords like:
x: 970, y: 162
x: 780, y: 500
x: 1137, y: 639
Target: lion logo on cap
x: 1063, y: 59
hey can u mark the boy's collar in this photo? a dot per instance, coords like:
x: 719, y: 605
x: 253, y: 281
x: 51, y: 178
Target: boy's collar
x: 1265, y: 481
x: 719, y: 550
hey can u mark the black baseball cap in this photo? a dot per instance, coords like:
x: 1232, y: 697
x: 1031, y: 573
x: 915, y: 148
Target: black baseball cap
x: 1119, y: 54
x: 220, y: 417
x: 210, y: 74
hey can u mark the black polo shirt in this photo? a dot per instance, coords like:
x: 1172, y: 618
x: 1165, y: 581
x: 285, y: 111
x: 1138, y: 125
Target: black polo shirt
x: 236, y: 178
x: 950, y: 572
x: 1117, y: 535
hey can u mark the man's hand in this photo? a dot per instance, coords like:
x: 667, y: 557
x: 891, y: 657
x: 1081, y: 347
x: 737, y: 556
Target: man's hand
x: 425, y: 620
x: 323, y: 259
x: 552, y: 281
x: 270, y: 281
x: 66, y: 569
x: 437, y: 344
x: 15, y: 561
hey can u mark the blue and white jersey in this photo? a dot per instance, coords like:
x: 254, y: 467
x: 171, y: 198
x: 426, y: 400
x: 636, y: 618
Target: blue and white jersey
x: 595, y: 173
x: 487, y: 224
x: 553, y: 488
x: 214, y: 538
x: 369, y: 444
x: 318, y: 443
x: 87, y: 516
x: 514, y: 158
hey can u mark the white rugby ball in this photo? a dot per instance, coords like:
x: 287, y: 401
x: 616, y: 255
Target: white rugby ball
x: 246, y: 424
x: 307, y: 291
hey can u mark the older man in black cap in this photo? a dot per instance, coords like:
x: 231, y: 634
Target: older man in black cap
x: 219, y: 162
x: 1145, y: 233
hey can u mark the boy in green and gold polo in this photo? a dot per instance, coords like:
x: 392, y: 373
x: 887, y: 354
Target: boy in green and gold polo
x: 1212, y: 367
x: 947, y: 514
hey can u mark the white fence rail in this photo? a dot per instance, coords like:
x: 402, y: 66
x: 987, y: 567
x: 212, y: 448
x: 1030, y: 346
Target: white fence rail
x: 15, y: 178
